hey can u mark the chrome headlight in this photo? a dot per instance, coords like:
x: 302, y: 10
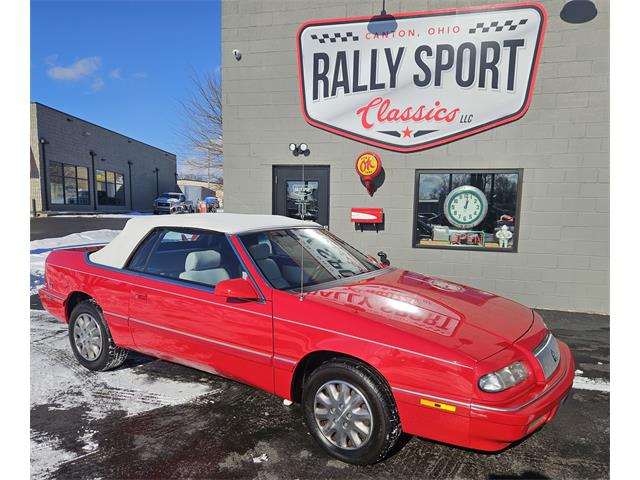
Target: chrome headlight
x: 504, y: 378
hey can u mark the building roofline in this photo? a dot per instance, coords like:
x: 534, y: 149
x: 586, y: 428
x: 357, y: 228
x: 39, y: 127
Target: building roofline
x: 103, y: 128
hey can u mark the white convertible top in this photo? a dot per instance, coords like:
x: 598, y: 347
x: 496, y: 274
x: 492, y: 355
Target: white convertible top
x: 116, y: 253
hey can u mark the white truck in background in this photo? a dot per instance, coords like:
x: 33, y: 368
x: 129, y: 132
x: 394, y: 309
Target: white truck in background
x: 172, y: 202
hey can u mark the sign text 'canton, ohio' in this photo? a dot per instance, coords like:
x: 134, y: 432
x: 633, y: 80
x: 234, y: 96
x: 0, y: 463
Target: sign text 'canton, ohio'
x: 417, y: 80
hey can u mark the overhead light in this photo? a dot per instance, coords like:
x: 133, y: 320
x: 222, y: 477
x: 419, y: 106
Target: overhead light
x: 383, y: 23
x: 301, y: 148
x: 578, y: 11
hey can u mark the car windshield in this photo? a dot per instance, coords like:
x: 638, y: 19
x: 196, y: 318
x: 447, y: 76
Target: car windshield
x: 311, y: 255
x: 171, y: 195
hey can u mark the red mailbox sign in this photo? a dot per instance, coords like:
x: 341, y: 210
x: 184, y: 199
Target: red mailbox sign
x: 366, y: 215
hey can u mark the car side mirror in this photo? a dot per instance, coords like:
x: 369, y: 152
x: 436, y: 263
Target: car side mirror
x: 383, y: 258
x: 237, y: 288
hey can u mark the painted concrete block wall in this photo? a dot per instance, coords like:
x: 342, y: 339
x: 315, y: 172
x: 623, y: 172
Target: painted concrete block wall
x: 562, y: 143
x: 70, y: 140
x: 35, y: 186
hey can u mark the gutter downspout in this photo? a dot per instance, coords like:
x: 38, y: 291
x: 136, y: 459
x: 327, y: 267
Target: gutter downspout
x: 94, y: 184
x: 130, y: 185
x: 43, y: 173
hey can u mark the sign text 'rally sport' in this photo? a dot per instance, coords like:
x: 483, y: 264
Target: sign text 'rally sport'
x: 417, y: 80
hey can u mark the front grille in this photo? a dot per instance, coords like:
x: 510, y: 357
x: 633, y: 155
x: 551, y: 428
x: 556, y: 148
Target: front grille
x: 162, y: 204
x: 548, y: 355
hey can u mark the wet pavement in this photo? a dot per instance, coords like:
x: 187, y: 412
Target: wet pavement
x: 153, y: 419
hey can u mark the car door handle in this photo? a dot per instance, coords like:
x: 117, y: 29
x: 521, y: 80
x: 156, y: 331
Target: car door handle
x: 140, y: 296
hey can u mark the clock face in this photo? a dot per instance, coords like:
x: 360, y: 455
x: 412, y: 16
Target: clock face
x: 466, y: 206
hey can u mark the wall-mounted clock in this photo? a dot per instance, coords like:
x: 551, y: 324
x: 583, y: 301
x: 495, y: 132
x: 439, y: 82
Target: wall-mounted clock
x: 466, y: 206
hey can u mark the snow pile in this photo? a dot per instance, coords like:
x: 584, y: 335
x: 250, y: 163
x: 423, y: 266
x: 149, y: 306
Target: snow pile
x: 260, y: 459
x: 584, y: 383
x: 40, y: 250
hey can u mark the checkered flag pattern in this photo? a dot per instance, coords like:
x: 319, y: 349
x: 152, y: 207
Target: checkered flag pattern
x: 334, y: 37
x: 496, y: 27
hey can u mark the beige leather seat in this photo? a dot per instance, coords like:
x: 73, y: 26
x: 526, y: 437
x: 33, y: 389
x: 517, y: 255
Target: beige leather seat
x: 261, y: 255
x: 204, y: 267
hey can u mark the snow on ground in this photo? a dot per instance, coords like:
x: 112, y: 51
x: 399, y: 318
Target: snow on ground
x: 584, y: 383
x: 59, y: 382
x: 40, y: 250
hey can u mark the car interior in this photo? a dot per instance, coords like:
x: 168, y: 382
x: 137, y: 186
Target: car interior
x: 193, y: 256
x: 275, y: 264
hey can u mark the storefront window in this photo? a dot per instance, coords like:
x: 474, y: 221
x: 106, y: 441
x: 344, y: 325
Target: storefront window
x: 69, y: 184
x: 473, y: 209
x: 110, y: 187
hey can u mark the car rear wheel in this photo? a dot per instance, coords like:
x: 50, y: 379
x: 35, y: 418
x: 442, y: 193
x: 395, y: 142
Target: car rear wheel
x: 350, y: 411
x: 91, y: 340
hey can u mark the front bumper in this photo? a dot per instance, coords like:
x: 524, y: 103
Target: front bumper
x: 160, y: 210
x: 496, y: 429
x: 487, y: 427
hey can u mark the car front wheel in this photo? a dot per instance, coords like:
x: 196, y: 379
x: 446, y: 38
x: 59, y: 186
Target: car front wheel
x: 351, y: 412
x: 91, y: 340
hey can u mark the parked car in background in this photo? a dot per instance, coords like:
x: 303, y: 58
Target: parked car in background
x: 370, y: 351
x: 171, y: 202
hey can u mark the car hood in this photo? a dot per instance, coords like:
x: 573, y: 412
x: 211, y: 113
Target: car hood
x: 476, y: 323
x: 166, y: 199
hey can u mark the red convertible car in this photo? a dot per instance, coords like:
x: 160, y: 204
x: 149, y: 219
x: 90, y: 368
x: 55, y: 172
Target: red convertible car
x: 370, y: 351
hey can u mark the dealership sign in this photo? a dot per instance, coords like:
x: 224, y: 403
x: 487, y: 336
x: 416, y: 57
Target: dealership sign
x: 417, y: 80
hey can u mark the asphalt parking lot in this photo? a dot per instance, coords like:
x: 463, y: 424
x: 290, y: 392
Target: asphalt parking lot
x: 153, y: 419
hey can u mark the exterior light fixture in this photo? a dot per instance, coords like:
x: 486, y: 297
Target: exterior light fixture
x: 237, y: 54
x: 383, y: 23
x: 578, y: 11
x: 300, y: 149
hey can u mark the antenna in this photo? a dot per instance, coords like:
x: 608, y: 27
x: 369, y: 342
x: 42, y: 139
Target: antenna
x: 302, y: 249
x: 384, y: 11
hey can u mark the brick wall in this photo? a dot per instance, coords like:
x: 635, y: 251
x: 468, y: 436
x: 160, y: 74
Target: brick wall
x: 562, y: 143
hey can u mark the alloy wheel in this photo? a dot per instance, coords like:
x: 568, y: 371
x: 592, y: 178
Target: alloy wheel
x: 87, y: 337
x: 343, y: 415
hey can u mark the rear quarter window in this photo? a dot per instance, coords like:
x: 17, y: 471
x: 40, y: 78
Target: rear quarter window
x: 139, y: 259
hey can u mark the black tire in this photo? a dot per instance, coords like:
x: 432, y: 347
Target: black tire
x: 385, y: 429
x: 110, y: 355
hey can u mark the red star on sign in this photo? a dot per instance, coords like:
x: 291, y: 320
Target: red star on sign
x: 406, y: 132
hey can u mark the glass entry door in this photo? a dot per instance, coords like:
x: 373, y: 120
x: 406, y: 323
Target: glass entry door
x: 295, y: 197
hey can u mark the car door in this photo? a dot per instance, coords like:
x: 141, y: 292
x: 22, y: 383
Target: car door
x: 175, y: 314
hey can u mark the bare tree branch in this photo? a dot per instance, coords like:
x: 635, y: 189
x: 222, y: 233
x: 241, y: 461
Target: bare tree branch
x: 203, y: 128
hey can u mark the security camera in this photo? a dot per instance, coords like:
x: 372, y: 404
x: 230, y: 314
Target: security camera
x: 237, y: 54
